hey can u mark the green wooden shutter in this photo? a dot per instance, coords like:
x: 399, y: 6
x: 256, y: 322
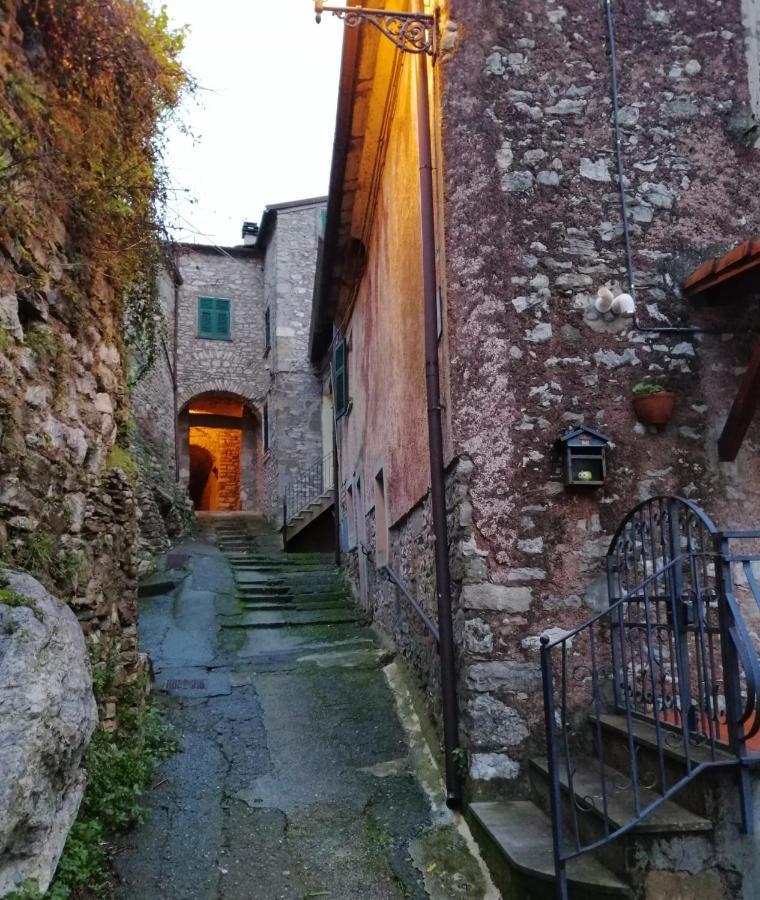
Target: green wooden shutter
x: 222, y: 318
x: 340, y: 366
x: 205, y: 316
x: 213, y: 318
x: 267, y: 329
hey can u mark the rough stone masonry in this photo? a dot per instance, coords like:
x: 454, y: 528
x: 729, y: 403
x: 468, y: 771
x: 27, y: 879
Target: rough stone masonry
x: 533, y: 228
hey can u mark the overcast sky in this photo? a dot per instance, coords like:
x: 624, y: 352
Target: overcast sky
x: 263, y: 118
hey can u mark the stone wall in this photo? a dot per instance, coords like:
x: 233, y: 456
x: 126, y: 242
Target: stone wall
x: 295, y: 395
x: 236, y: 365
x: 164, y: 505
x: 223, y: 487
x: 533, y: 228
x: 68, y: 507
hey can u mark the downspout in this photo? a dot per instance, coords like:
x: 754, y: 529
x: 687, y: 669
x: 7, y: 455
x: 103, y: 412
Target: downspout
x: 175, y: 375
x: 435, y: 438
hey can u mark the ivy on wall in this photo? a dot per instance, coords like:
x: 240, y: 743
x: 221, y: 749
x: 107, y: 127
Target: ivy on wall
x: 82, y: 132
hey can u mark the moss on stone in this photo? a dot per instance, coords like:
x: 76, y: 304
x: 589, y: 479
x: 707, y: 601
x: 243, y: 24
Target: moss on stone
x: 450, y: 870
x: 14, y: 599
x: 119, y: 458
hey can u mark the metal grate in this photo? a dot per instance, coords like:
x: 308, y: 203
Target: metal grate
x: 186, y: 684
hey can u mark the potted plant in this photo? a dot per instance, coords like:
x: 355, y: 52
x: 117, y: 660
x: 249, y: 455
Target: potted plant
x: 652, y: 404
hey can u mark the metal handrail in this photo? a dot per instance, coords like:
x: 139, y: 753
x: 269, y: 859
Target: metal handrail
x: 308, y: 486
x: 672, y: 650
x: 413, y: 602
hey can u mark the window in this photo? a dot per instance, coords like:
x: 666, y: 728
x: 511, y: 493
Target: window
x: 340, y: 375
x: 214, y: 318
x: 267, y: 331
x: 265, y: 427
x: 381, y: 528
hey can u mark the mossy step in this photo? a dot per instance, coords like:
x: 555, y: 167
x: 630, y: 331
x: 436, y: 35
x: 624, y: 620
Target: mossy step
x: 289, y: 604
x: 264, y: 590
x: 281, y: 619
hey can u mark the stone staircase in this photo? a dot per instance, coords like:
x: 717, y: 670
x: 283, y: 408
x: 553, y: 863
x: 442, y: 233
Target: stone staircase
x: 278, y: 589
x: 678, y: 836
x: 309, y: 514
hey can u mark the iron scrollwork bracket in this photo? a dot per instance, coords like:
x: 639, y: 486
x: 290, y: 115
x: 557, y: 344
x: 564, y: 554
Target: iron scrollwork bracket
x: 410, y: 32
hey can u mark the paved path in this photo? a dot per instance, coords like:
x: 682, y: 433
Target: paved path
x: 297, y: 778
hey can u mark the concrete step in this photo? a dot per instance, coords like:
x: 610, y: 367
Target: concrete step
x: 284, y: 618
x: 667, y: 818
x: 285, y: 566
x: 617, y: 753
x: 292, y: 604
x: 516, y: 839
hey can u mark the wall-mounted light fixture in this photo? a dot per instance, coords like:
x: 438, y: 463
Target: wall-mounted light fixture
x: 411, y: 32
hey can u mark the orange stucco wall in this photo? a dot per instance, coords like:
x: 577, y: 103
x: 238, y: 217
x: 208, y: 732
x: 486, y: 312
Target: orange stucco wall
x: 387, y: 425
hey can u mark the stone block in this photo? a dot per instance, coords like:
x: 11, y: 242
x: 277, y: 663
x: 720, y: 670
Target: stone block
x: 683, y: 886
x: 503, y: 674
x: 496, y: 597
x: 492, y: 724
x: 491, y: 766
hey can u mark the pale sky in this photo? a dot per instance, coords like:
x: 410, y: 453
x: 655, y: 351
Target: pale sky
x: 264, y: 115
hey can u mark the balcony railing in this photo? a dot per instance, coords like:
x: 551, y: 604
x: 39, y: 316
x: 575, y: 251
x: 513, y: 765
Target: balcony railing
x: 307, y: 487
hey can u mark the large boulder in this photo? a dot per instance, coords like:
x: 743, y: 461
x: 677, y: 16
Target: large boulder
x: 47, y: 716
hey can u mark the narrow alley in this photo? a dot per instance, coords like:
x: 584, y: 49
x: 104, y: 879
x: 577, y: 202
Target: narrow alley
x: 296, y: 777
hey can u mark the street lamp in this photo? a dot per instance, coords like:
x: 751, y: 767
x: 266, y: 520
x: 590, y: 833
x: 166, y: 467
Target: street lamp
x: 417, y: 33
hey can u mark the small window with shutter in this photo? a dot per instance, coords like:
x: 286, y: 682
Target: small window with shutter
x: 267, y: 331
x: 340, y: 374
x: 214, y: 318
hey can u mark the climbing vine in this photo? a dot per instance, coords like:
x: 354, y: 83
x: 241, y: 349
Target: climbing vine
x: 82, y: 130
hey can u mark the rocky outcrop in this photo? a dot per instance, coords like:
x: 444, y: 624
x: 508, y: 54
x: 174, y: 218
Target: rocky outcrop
x: 47, y: 716
x: 166, y: 512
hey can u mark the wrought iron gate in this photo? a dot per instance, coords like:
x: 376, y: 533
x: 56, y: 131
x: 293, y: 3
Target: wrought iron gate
x: 672, y: 651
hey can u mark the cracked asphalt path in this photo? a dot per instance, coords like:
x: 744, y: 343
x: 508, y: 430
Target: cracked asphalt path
x: 296, y: 778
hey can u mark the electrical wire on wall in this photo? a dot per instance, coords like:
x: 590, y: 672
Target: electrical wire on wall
x: 612, y: 53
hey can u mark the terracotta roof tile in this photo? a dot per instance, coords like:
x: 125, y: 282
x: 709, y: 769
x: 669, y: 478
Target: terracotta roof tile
x: 742, y: 260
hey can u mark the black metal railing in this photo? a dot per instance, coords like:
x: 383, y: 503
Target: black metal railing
x: 428, y: 623
x: 308, y: 486
x: 671, y: 651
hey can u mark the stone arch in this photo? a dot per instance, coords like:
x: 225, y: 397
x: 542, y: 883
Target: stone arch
x: 225, y: 386
x: 236, y: 448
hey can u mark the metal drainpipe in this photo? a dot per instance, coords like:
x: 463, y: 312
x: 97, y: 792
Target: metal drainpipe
x: 616, y: 131
x: 435, y: 439
x: 175, y: 374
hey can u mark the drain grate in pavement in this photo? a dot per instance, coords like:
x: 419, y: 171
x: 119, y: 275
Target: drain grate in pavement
x: 186, y: 684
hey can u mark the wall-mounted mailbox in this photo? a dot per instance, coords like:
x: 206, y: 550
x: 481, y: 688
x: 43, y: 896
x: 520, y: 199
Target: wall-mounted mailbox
x: 584, y: 457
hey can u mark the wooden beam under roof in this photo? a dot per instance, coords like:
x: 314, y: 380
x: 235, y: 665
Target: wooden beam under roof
x: 742, y: 410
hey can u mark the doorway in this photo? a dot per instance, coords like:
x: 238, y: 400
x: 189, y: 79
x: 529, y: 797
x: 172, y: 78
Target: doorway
x: 221, y: 453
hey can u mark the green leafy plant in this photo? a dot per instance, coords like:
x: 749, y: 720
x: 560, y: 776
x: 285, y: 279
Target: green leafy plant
x: 120, y: 767
x: 459, y: 755
x: 645, y: 389
x: 36, y: 554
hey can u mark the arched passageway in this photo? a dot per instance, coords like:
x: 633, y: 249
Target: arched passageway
x: 219, y: 452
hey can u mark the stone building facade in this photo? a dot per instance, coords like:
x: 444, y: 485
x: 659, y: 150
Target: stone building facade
x: 289, y: 236
x: 528, y: 228
x: 246, y: 401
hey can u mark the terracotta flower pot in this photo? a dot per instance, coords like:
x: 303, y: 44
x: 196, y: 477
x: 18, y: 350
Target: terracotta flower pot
x: 655, y: 409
